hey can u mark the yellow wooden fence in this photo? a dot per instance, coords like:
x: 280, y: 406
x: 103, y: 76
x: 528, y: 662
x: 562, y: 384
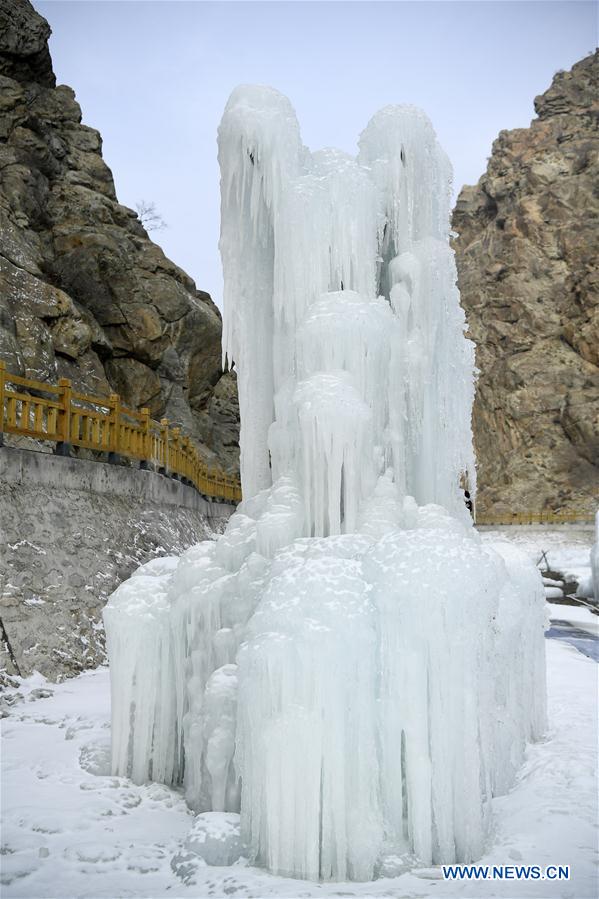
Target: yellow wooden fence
x: 68, y: 418
x: 534, y: 518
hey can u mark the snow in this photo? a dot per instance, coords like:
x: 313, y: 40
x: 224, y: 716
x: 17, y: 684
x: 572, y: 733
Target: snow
x: 69, y: 831
x: 579, y: 615
x: 551, y: 582
x: 567, y: 547
x: 348, y: 667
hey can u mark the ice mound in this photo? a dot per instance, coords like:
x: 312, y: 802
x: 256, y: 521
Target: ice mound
x: 347, y: 668
x: 96, y: 757
x: 214, y: 839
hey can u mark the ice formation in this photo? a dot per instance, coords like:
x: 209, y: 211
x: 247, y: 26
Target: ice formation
x: 595, y: 560
x: 588, y: 587
x: 214, y: 839
x: 348, y: 666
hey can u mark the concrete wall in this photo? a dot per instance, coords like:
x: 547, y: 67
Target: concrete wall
x: 70, y: 531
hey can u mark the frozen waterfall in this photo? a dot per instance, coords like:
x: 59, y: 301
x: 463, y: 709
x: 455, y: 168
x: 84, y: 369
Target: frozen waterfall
x: 347, y: 666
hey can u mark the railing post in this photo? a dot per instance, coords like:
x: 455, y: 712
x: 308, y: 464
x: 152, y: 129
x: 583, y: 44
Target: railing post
x: 187, y: 461
x: 183, y: 460
x: 164, y: 433
x: 176, y: 432
x: 63, y: 447
x: 145, y: 438
x: 2, y: 382
x: 195, y: 468
x: 114, y: 427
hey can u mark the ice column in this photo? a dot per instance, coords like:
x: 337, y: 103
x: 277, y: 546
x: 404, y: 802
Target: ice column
x: 334, y: 263
x: 348, y: 665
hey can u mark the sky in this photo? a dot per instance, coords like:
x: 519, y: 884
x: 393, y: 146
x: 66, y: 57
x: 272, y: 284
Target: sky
x: 154, y: 77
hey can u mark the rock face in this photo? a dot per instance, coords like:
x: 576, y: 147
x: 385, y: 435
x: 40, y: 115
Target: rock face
x: 84, y: 293
x: 527, y: 262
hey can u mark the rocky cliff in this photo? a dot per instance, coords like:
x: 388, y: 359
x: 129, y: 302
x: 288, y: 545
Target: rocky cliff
x: 528, y: 235
x: 84, y: 293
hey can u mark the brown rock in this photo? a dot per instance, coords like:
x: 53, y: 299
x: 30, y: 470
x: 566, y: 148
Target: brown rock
x: 137, y: 384
x: 71, y: 337
x: 24, y: 43
x: 36, y: 348
x: 526, y: 253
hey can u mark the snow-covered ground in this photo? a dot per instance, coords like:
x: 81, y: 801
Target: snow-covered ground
x: 577, y: 615
x: 567, y: 547
x: 71, y: 830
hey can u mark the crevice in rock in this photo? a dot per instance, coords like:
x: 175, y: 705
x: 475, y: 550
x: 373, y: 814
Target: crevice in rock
x: 6, y: 642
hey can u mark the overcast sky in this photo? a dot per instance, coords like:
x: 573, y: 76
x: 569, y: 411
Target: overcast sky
x: 154, y: 78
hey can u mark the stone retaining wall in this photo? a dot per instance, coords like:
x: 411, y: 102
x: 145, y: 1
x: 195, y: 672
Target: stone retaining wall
x: 70, y: 531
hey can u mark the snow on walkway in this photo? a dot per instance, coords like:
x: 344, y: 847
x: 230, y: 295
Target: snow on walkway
x: 71, y: 830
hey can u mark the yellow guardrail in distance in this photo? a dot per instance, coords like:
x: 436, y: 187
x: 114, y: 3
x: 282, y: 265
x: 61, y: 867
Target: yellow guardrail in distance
x: 546, y: 517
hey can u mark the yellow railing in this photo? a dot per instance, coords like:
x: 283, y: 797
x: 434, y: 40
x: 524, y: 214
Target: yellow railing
x: 535, y: 518
x: 63, y: 416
